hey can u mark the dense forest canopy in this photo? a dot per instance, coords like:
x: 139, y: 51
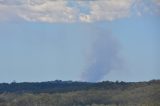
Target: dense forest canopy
x: 59, y: 86
x: 67, y: 86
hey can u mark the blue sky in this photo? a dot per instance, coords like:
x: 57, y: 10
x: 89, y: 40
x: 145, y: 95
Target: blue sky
x: 41, y: 46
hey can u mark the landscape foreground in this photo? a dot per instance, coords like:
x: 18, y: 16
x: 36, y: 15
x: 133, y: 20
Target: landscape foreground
x: 69, y: 93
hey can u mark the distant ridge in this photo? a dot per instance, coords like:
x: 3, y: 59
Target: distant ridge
x: 59, y: 86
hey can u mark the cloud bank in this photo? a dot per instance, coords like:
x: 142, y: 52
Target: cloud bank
x: 52, y: 11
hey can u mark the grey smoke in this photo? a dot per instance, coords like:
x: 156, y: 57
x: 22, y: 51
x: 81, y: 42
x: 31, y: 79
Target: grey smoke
x: 103, y: 58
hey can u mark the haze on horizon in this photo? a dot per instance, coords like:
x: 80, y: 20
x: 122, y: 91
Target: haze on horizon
x: 79, y: 40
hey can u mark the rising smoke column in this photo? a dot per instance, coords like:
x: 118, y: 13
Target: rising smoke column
x: 103, y: 57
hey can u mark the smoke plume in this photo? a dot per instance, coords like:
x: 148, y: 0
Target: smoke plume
x: 103, y: 57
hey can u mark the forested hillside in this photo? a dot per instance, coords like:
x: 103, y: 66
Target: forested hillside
x: 60, y: 86
x: 68, y: 93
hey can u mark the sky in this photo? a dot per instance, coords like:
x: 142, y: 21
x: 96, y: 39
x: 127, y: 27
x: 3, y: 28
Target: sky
x: 79, y: 40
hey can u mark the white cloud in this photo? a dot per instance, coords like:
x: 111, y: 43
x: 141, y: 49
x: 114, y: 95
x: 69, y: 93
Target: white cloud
x: 107, y: 10
x: 41, y: 11
x: 48, y: 11
x: 52, y: 11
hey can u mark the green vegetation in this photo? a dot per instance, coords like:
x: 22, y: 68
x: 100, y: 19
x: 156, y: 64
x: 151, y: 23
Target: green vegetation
x: 87, y: 94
